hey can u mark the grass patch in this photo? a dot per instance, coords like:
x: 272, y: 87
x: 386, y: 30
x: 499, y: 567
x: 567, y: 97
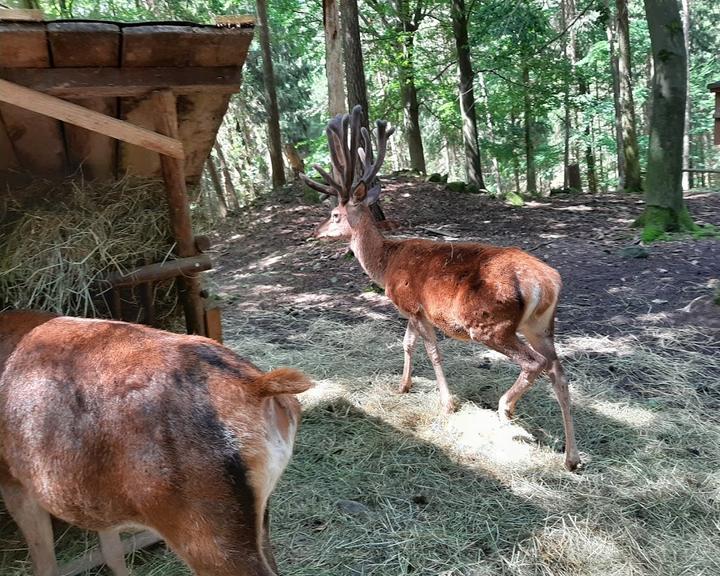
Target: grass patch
x: 461, y: 494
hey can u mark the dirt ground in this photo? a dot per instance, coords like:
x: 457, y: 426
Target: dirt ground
x: 269, y: 261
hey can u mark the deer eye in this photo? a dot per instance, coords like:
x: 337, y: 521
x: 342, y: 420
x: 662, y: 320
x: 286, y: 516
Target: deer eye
x: 336, y: 217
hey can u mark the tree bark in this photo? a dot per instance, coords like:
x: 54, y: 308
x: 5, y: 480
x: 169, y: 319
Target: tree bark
x: 274, y: 144
x: 530, y: 173
x: 633, y: 180
x: 615, y: 73
x: 334, y: 58
x: 665, y: 208
x: 230, y: 191
x: 411, y: 106
x: 354, y: 65
x: 687, y: 181
x: 491, y: 133
x: 473, y: 167
x: 217, y: 186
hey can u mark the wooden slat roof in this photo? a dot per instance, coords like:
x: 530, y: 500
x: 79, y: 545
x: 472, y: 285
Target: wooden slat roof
x: 66, y: 57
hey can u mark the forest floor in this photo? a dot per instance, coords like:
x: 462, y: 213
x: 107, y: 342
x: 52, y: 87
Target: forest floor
x: 384, y: 484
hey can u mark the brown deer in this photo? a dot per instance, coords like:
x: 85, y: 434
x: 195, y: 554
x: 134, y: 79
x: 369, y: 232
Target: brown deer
x: 107, y: 425
x: 469, y: 291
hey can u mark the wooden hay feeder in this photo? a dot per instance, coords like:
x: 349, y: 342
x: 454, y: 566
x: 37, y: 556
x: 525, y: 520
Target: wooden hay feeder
x: 107, y: 99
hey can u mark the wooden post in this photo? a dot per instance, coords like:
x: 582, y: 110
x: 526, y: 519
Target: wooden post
x: 173, y: 171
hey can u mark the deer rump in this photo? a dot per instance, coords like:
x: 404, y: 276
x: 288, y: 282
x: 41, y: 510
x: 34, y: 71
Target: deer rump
x: 459, y: 286
x: 106, y: 424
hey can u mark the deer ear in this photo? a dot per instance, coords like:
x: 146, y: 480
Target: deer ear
x: 373, y: 194
x: 360, y: 192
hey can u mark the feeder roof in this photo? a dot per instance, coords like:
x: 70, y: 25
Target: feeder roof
x: 112, y: 68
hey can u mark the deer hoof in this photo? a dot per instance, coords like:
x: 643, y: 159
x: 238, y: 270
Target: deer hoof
x: 505, y: 413
x: 449, y: 406
x: 572, y: 463
x: 404, y: 388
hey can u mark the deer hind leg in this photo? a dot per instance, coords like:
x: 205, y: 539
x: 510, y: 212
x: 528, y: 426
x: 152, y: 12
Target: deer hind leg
x: 409, y: 343
x: 541, y: 339
x: 427, y: 331
x: 113, y: 553
x: 35, y: 524
x: 531, y: 365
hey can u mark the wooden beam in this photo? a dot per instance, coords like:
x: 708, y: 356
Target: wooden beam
x: 79, y: 116
x: 21, y: 15
x: 162, y: 271
x: 235, y: 20
x: 125, y: 82
x: 173, y: 171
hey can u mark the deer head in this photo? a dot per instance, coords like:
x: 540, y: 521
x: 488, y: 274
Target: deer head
x: 354, y: 184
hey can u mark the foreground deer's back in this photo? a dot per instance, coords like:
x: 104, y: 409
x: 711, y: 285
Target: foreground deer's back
x: 463, y: 286
x: 106, y: 421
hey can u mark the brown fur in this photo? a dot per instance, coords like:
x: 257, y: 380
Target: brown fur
x: 470, y: 291
x: 105, y: 424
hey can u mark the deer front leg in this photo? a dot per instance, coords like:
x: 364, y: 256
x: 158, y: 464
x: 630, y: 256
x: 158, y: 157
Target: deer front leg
x: 409, y: 343
x: 427, y: 331
x: 35, y: 525
x: 112, y: 551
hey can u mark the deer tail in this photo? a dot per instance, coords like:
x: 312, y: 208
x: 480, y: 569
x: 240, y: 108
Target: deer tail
x: 281, y: 381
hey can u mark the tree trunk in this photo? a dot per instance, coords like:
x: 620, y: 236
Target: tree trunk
x: 411, y: 107
x: 615, y: 73
x: 473, y: 165
x: 566, y: 98
x: 530, y: 175
x: 491, y: 133
x: 334, y: 58
x: 230, y: 191
x: 664, y: 205
x: 687, y: 159
x: 217, y: 186
x: 354, y: 65
x: 274, y: 145
x: 633, y: 180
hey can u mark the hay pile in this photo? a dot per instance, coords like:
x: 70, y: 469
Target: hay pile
x: 60, y: 241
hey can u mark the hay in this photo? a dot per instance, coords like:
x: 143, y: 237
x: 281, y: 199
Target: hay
x: 462, y: 495
x: 61, y: 241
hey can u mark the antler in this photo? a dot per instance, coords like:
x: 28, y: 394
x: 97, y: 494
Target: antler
x: 344, y: 153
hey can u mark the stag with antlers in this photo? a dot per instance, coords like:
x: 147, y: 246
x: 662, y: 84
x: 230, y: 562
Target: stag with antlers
x: 470, y: 291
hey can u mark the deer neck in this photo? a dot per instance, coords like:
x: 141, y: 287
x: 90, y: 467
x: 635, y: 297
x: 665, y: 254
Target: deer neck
x: 368, y: 245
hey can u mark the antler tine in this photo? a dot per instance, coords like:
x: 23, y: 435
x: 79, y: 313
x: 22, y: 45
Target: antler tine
x: 367, y: 152
x: 372, y: 167
x: 319, y: 186
x: 355, y: 122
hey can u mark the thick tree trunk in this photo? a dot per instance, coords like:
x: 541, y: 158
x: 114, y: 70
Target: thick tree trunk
x: 411, y: 106
x: 334, y: 58
x: 633, y: 180
x: 217, y: 186
x: 665, y: 208
x: 530, y: 174
x: 566, y: 98
x: 354, y: 64
x: 615, y: 73
x: 274, y: 145
x: 687, y: 159
x: 473, y: 167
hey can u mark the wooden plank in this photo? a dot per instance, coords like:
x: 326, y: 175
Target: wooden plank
x: 199, y: 115
x: 8, y: 160
x: 213, y: 323
x: 125, y: 82
x: 21, y: 14
x: 79, y: 116
x: 37, y: 139
x: 94, y: 557
x: 83, y: 44
x: 165, y: 107
x: 238, y: 20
